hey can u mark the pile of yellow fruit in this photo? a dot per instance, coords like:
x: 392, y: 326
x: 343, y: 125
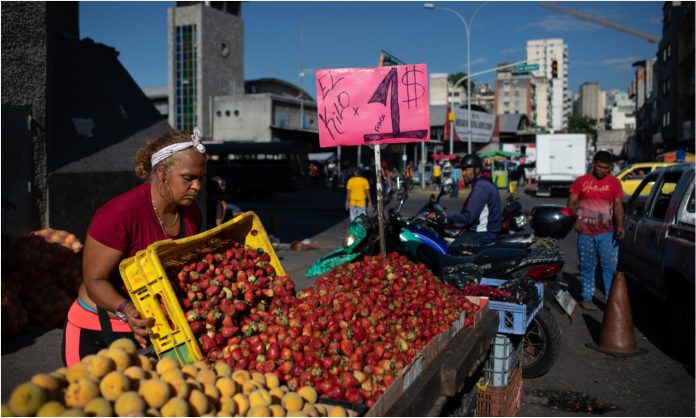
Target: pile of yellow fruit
x: 118, y: 382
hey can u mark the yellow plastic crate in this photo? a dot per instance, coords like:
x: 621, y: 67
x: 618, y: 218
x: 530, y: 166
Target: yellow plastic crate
x: 146, y: 280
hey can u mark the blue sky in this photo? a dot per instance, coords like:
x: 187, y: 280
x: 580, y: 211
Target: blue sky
x: 351, y: 34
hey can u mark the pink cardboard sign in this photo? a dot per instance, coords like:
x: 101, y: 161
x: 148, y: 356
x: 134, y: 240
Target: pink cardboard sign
x: 363, y: 106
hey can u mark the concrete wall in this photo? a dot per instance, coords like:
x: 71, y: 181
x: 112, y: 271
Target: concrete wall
x: 613, y: 140
x: 242, y: 117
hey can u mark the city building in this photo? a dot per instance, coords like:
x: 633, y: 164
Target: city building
x: 620, y: 112
x: 514, y: 93
x: 206, y: 59
x: 483, y: 96
x: 590, y: 102
x: 642, y: 87
x: 675, y: 86
x: 159, y: 96
x: 438, y: 86
x: 553, y: 100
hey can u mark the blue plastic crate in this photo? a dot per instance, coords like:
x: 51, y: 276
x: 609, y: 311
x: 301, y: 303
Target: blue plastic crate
x: 513, y: 318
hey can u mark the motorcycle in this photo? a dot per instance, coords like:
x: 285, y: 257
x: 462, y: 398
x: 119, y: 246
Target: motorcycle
x: 418, y: 238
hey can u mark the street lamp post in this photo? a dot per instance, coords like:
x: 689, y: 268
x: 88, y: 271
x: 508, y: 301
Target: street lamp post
x: 467, y: 28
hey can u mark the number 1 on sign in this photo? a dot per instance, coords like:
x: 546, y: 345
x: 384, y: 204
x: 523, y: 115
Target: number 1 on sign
x: 391, y: 81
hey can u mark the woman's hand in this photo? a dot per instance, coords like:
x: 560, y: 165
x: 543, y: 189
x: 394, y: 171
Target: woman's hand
x: 140, y: 327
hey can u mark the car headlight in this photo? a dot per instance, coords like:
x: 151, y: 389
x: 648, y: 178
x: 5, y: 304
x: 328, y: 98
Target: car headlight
x: 349, y: 240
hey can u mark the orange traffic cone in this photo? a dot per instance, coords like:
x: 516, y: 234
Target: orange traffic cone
x: 617, y: 336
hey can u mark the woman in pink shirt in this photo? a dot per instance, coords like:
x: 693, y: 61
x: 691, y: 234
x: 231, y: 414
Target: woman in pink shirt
x: 164, y: 206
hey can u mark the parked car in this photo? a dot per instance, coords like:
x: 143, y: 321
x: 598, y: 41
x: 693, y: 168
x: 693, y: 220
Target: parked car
x: 631, y: 176
x: 657, y: 252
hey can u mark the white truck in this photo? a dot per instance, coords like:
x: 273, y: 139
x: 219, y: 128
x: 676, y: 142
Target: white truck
x: 560, y: 158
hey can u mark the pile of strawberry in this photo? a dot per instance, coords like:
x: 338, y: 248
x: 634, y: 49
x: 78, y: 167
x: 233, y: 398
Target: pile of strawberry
x: 220, y: 293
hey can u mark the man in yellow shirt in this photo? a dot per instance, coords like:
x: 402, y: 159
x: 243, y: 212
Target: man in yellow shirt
x: 357, y: 195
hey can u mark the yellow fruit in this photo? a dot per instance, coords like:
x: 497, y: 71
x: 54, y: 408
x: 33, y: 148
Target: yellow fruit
x: 102, y: 352
x: 201, y: 364
x: 99, y: 407
x: 308, y: 393
x: 49, y: 409
x: 296, y: 414
x: 60, y: 372
x: 180, y: 388
x: 212, y: 392
x: 310, y: 410
x: 321, y: 409
x: 86, y: 359
x: 227, y: 405
x: 120, y: 357
x: 277, y: 410
x: 175, y: 407
x: 206, y: 376
x: 240, y: 376
x: 75, y: 372
x: 128, y: 404
x: 242, y: 403
x: 155, y: 392
x: 259, y: 397
x: 337, y: 411
x: 198, y: 402
x: 100, y: 366
x: 194, y: 384
x: 114, y: 385
x: 222, y: 369
x: 126, y: 344
x: 72, y: 412
x: 250, y: 386
x: 292, y: 402
x: 50, y: 383
x: 258, y: 411
x: 80, y: 392
x: 276, y: 395
x: 165, y: 364
x: 134, y: 373
x: 145, y: 363
x: 171, y: 374
x: 272, y: 380
x: 190, y: 370
x: 152, y: 412
x: 259, y: 377
x: 226, y: 386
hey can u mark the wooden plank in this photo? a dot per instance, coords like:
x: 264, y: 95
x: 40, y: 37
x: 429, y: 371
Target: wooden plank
x: 462, y: 363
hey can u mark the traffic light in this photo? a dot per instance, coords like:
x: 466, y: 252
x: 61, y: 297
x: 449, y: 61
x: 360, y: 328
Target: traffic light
x: 554, y: 69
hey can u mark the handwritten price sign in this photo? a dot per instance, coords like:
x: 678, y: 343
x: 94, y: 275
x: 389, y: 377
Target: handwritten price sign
x: 363, y: 106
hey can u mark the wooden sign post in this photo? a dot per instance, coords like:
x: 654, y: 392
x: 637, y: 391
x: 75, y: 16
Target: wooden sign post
x: 358, y: 106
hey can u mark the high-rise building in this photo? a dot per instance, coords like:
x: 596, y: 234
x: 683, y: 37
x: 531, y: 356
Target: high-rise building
x: 589, y: 105
x: 206, y: 59
x: 514, y: 93
x: 553, y: 98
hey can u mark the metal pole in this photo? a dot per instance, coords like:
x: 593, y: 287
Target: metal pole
x: 468, y: 85
x: 380, y: 202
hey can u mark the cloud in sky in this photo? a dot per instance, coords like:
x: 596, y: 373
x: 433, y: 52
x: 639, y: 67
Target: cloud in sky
x: 655, y: 21
x: 553, y: 23
x: 508, y: 51
x: 619, y: 63
x: 475, y: 62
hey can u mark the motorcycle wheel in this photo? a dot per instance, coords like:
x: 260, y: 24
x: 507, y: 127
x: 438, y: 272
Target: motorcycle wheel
x: 542, y: 345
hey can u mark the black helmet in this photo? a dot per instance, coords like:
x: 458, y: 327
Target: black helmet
x: 471, y: 160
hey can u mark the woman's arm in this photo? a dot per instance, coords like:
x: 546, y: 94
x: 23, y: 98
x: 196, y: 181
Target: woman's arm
x: 98, y: 262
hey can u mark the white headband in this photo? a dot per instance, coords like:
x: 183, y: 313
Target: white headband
x: 170, y: 150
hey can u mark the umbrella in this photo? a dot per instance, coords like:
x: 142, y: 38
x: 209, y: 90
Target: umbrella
x: 499, y: 153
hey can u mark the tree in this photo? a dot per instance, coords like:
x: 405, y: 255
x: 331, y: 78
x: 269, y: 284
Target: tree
x: 454, y: 78
x: 583, y: 125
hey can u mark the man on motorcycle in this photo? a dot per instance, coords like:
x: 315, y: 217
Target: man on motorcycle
x: 480, y: 213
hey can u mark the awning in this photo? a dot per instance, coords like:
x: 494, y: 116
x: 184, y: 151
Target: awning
x: 674, y: 156
x: 437, y: 157
x: 321, y: 157
x: 500, y: 153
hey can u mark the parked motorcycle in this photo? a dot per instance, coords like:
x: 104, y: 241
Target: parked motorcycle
x: 418, y: 238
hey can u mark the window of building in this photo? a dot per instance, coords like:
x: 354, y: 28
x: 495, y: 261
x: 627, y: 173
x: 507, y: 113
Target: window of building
x: 282, y: 119
x: 185, y: 84
x: 666, y: 52
x: 665, y: 119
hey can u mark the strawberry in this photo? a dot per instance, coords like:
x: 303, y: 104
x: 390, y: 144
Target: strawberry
x: 197, y: 327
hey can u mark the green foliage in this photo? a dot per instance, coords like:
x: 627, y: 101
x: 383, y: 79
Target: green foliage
x: 583, y: 125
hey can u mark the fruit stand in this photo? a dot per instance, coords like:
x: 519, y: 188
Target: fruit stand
x: 379, y: 337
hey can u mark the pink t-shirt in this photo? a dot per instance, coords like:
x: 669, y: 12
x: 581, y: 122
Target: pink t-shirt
x: 596, y: 202
x: 128, y: 222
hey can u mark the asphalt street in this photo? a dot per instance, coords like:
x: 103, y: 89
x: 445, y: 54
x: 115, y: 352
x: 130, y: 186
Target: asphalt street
x: 582, y: 382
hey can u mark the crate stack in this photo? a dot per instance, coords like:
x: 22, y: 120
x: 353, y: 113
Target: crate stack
x: 499, y: 391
